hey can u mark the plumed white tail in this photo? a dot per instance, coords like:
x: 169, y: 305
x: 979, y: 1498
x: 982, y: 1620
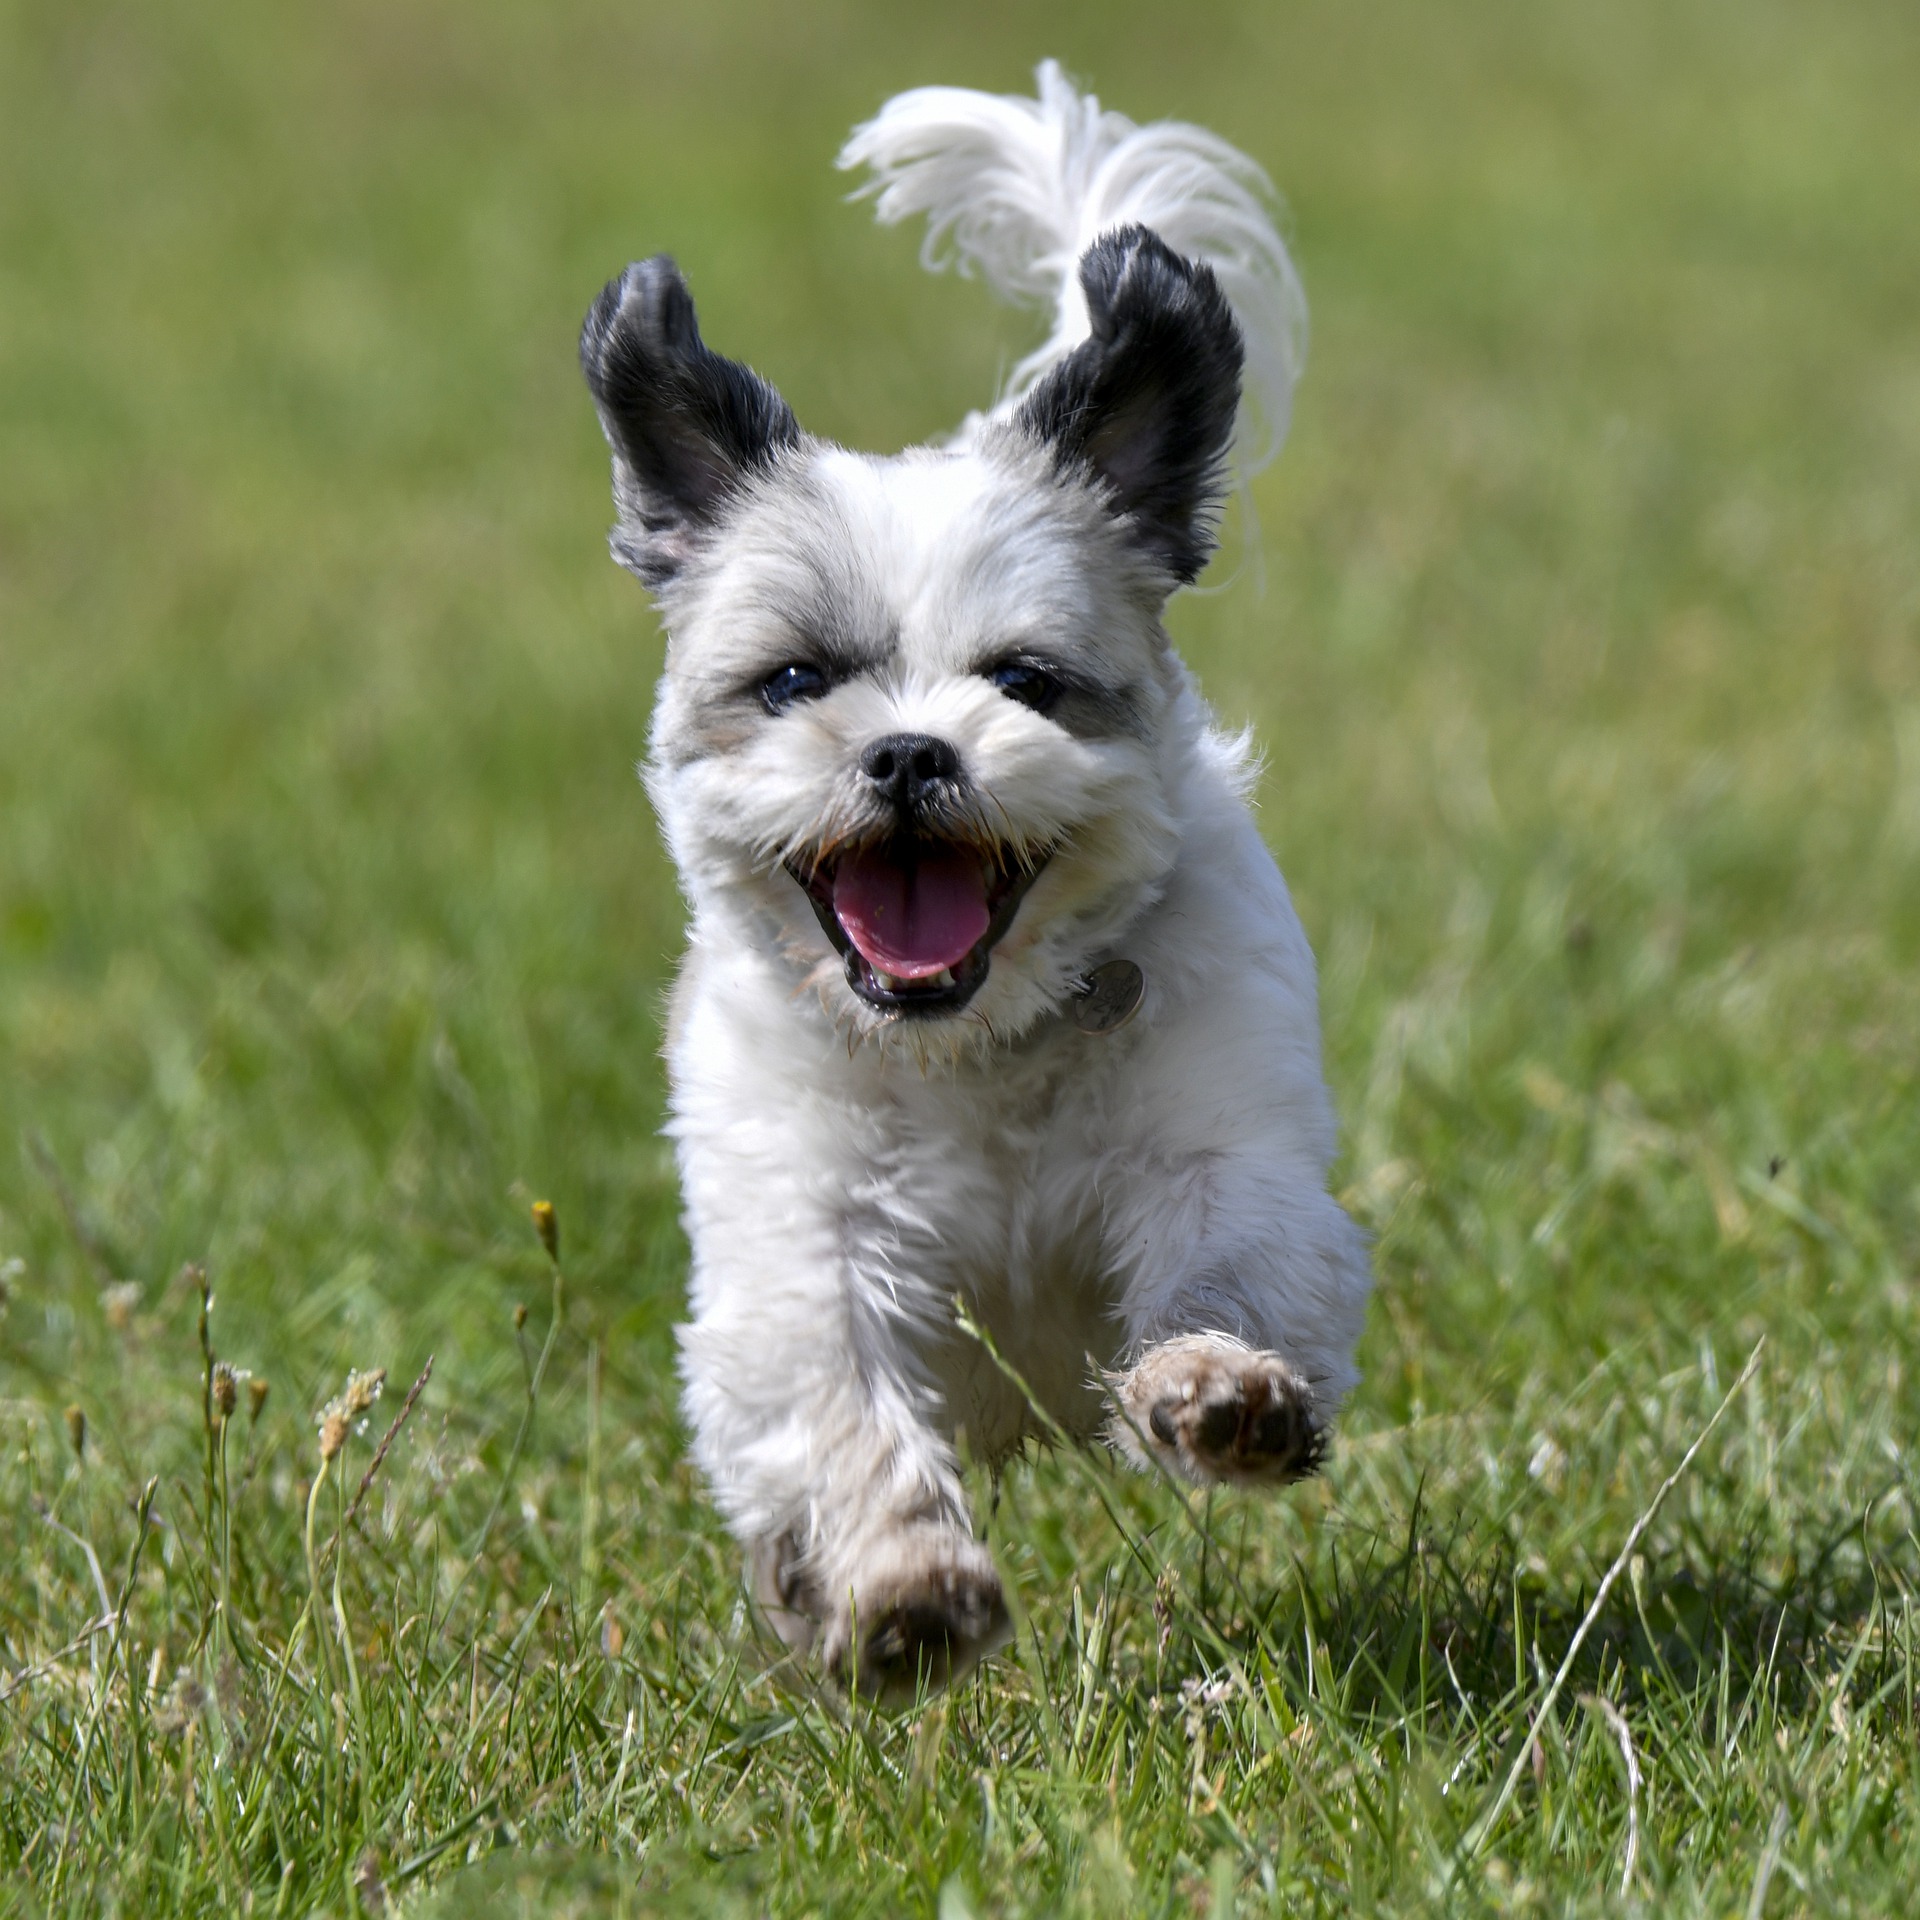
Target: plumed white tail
x: 1018, y: 190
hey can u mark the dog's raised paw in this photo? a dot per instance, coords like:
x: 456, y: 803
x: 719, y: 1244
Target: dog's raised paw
x: 1214, y: 1410
x: 920, y: 1623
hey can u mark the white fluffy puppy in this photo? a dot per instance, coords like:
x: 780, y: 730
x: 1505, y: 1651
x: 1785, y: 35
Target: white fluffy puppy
x: 993, y: 995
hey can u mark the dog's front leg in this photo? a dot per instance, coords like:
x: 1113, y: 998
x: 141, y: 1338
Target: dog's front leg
x: 818, y: 1439
x: 1247, y: 1286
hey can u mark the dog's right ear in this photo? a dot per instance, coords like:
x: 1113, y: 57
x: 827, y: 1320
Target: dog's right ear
x: 688, y: 428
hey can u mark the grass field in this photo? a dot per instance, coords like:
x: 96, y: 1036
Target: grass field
x: 1583, y: 636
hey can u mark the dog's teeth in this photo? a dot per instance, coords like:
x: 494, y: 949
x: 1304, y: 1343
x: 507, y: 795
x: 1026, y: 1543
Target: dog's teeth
x: 889, y: 982
x: 944, y: 978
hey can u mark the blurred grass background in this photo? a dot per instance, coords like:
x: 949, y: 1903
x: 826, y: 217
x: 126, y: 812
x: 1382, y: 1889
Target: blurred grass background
x: 1582, y: 635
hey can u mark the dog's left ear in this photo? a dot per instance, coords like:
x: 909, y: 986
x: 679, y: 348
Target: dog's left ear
x: 1147, y: 400
x: 688, y: 427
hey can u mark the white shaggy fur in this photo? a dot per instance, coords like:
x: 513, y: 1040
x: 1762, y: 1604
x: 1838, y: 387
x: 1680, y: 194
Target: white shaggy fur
x: 1153, y: 1200
x: 1023, y: 187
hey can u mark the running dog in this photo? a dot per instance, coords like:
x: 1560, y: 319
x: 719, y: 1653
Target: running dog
x: 996, y: 1018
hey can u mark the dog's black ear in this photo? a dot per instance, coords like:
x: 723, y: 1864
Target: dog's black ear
x: 687, y: 427
x: 1147, y: 401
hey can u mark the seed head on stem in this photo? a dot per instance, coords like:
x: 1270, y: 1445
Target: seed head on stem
x: 338, y: 1416
x: 363, y: 1389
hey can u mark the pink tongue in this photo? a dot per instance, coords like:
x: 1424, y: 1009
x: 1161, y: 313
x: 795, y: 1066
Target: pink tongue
x: 911, y: 920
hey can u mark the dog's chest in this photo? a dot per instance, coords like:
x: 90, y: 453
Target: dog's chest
x: 999, y: 1191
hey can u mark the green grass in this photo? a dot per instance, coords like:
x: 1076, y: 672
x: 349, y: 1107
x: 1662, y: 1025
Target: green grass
x: 333, y: 930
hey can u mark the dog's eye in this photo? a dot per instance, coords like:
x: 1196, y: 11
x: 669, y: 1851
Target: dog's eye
x: 795, y: 681
x: 1032, y: 686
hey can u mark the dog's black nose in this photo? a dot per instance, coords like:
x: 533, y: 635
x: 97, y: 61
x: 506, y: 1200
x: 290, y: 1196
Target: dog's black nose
x: 906, y: 766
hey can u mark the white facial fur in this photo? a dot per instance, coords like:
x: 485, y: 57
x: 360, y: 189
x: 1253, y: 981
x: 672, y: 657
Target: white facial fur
x: 914, y: 576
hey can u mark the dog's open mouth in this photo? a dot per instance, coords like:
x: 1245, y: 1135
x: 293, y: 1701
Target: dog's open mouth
x: 916, y: 919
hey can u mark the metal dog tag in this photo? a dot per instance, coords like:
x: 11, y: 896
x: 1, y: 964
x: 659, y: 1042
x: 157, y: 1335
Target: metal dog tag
x: 1109, y: 997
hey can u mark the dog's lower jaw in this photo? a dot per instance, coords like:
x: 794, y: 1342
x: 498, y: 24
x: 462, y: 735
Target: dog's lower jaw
x: 946, y: 993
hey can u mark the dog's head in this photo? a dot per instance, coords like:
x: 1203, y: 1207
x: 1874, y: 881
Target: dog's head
x: 913, y: 739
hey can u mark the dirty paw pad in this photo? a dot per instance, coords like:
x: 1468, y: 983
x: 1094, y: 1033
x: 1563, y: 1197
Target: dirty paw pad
x: 1212, y: 1410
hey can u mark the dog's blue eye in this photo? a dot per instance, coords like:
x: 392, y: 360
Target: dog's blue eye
x: 1031, y: 686
x: 796, y: 681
